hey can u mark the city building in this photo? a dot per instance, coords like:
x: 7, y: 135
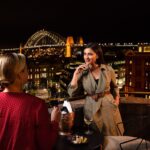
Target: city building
x: 138, y: 71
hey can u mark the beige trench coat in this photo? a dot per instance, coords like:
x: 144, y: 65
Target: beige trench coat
x: 105, y: 113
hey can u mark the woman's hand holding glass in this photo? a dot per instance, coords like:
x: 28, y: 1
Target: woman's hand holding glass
x: 55, y: 114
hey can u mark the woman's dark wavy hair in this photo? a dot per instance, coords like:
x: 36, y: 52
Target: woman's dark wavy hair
x: 98, y: 50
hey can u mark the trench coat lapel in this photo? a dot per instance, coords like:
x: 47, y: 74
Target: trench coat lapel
x: 94, y: 85
x: 102, y: 80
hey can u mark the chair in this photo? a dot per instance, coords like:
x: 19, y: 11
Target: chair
x: 143, y: 134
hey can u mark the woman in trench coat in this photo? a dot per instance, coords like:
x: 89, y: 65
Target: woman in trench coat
x: 94, y: 77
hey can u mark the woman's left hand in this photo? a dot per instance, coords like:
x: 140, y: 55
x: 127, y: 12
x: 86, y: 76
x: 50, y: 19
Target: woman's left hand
x: 117, y: 100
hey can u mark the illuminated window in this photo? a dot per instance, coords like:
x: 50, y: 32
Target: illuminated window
x: 146, y: 74
x: 140, y: 49
x: 36, y: 76
x: 146, y: 85
x: 146, y: 63
x: 44, y: 69
x: 43, y: 75
x: 147, y: 49
x: 130, y: 62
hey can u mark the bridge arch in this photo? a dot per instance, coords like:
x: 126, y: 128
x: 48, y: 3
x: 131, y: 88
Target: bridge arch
x: 44, y: 37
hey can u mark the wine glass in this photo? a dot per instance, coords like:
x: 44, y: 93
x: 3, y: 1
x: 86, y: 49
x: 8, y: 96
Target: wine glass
x: 88, y: 119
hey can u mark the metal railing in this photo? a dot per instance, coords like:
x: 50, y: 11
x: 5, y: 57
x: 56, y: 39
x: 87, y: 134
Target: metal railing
x: 136, y: 93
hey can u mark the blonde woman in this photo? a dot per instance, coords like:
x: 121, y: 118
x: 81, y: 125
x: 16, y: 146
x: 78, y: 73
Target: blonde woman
x: 24, y: 119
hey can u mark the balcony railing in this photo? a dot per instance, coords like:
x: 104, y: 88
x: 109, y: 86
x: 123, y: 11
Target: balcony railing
x: 136, y: 94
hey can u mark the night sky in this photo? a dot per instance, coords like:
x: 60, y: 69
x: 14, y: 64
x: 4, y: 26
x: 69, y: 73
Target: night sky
x: 96, y: 20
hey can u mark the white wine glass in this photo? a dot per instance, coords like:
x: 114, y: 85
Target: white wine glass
x: 88, y: 119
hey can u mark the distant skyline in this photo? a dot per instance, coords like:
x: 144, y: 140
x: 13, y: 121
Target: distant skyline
x: 99, y: 21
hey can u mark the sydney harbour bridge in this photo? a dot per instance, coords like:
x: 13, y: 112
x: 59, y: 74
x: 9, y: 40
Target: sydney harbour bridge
x: 49, y: 42
x: 45, y: 43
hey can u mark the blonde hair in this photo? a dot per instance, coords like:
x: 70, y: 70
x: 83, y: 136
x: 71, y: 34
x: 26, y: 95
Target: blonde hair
x: 10, y: 65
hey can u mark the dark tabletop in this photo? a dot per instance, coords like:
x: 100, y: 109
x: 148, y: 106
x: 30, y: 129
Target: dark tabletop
x: 94, y: 140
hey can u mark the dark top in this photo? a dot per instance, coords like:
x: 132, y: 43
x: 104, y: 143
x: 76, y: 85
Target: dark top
x: 96, y: 80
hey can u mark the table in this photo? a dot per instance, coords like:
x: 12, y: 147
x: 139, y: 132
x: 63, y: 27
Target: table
x: 94, y: 141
